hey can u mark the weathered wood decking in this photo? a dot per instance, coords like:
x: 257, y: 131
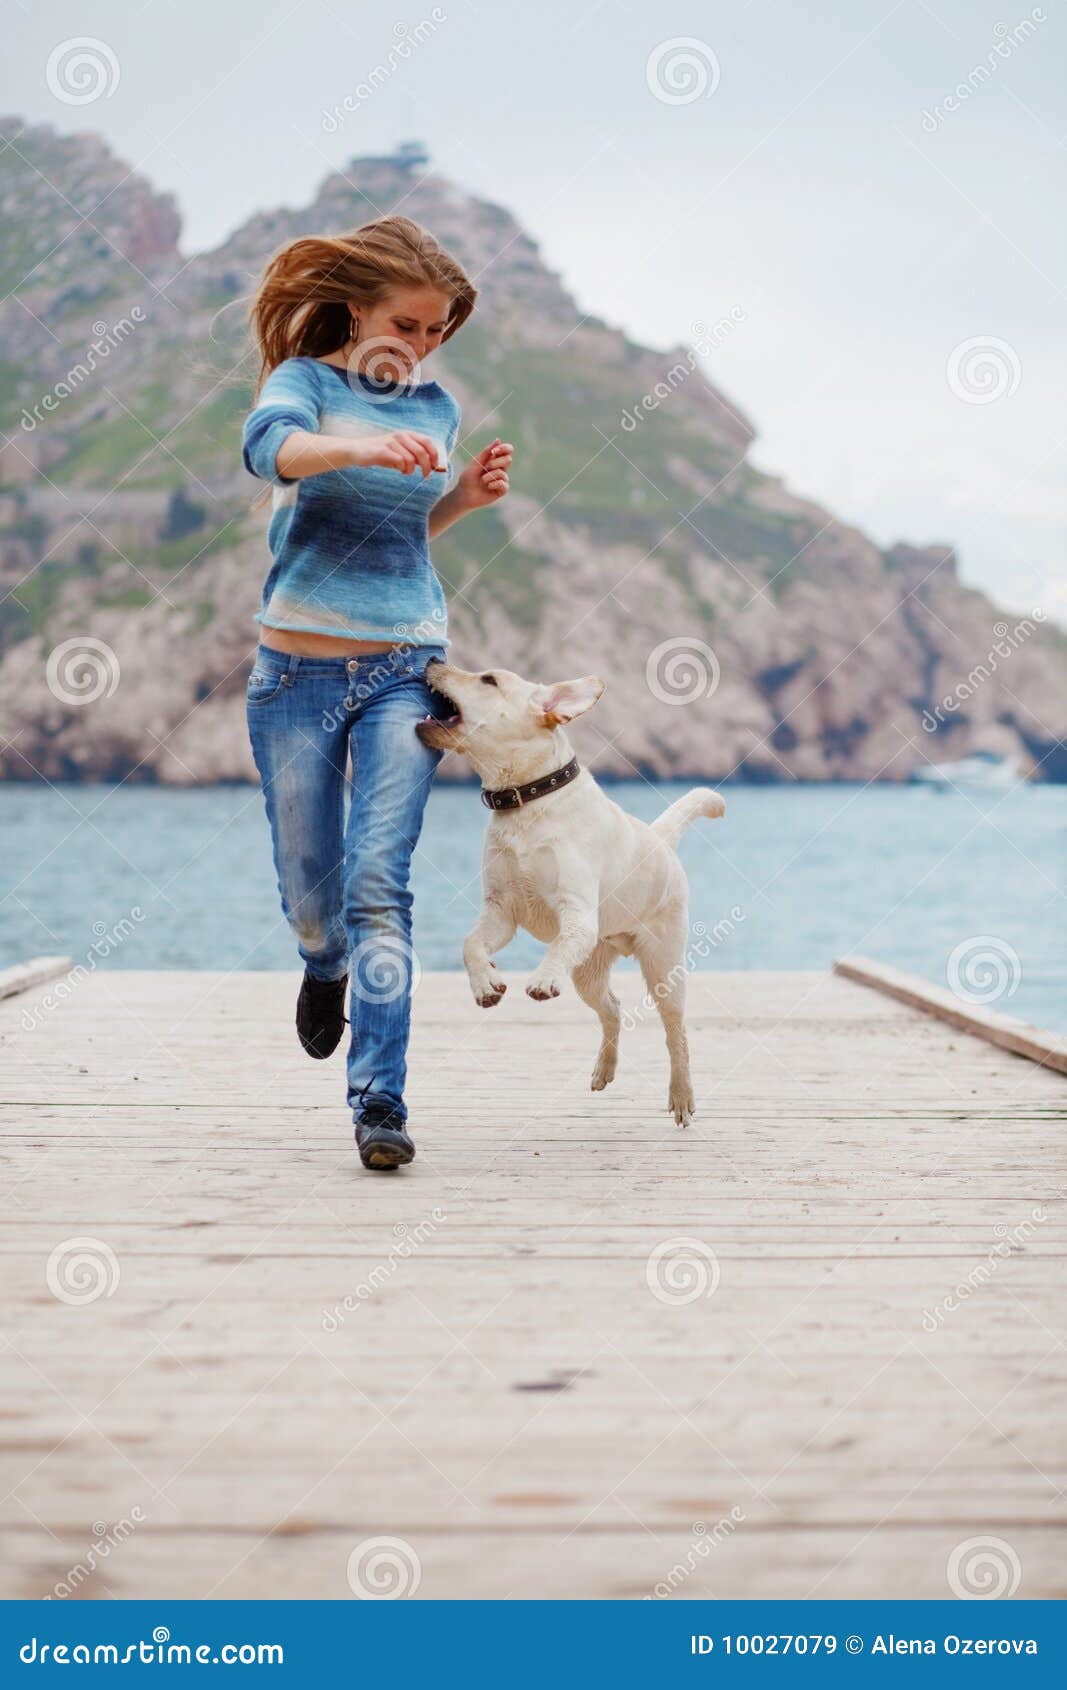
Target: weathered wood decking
x: 504, y: 1392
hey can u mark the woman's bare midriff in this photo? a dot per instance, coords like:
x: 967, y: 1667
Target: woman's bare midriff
x: 320, y: 645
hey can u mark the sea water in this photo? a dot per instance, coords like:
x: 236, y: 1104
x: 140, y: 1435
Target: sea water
x: 965, y: 889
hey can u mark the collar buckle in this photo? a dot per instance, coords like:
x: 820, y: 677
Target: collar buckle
x: 493, y: 797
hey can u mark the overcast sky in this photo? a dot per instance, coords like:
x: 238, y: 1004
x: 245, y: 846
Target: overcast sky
x: 875, y: 187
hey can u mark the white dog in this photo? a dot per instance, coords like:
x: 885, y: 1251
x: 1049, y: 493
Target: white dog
x: 565, y: 862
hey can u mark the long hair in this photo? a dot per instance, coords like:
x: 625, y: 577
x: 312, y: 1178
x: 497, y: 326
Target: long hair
x: 301, y: 306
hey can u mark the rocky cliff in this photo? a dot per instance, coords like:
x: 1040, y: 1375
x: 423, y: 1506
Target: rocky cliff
x: 742, y: 629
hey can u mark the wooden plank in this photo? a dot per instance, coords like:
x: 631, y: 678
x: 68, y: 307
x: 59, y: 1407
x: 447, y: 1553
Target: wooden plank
x: 33, y: 972
x: 1007, y: 1031
x: 274, y: 1377
x: 605, y: 1555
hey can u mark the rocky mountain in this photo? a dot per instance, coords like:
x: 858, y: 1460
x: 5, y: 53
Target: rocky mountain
x: 743, y: 629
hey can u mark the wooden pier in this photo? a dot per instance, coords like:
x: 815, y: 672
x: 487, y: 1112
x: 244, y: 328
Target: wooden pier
x: 810, y: 1347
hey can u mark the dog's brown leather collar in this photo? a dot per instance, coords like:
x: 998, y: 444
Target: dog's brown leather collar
x: 510, y: 797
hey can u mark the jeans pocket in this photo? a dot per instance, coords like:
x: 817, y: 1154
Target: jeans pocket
x: 264, y: 684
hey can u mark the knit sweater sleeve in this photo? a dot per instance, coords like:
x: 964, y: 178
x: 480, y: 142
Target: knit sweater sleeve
x: 290, y: 399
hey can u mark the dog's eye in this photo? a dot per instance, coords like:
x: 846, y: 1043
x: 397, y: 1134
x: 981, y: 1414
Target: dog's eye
x: 490, y: 680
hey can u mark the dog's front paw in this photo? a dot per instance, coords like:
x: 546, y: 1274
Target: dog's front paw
x: 488, y: 988
x: 681, y: 1104
x: 543, y: 986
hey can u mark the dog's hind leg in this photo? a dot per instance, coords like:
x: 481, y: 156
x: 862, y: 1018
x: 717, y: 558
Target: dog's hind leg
x: 592, y: 983
x: 662, y: 959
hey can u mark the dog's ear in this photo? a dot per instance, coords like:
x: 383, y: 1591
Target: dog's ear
x: 564, y: 700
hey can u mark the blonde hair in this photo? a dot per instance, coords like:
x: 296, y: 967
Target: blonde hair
x: 301, y: 306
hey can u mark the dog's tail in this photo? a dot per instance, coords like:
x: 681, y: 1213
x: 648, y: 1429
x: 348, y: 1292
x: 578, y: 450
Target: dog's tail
x: 698, y: 801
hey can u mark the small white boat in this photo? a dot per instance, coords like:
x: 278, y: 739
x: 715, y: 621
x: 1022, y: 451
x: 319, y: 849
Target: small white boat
x: 982, y: 769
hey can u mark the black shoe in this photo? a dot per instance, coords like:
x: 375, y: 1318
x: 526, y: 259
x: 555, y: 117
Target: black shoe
x: 382, y: 1137
x: 320, y: 1014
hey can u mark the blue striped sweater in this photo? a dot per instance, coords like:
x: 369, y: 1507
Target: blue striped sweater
x: 350, y: 547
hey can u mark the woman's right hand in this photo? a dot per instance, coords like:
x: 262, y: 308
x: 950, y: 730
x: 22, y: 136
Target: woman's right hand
x: 404, y: 450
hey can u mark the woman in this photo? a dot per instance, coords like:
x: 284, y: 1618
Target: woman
x: 357, y: 445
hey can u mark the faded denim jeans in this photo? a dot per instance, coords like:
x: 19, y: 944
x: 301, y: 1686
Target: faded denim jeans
x: 343, y: 878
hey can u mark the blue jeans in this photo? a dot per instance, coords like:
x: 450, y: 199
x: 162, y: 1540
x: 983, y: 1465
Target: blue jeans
x: 343, y: 878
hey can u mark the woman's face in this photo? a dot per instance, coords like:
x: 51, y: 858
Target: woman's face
x: 399, y: 333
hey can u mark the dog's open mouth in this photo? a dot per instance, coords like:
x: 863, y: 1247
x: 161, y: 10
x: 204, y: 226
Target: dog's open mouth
x: 454, y: 719
x: 451, y: 721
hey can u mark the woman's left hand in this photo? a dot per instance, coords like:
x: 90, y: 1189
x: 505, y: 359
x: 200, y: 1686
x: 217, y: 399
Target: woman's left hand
x: 485, y: 478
